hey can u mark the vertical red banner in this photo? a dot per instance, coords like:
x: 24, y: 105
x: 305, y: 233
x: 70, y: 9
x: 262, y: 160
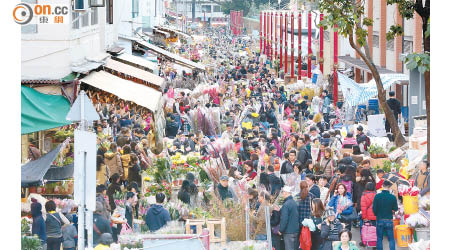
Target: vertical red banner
x: 264, y: 33
x: 271, y: 35
x: 309, y: 44
x: 292, y: 45
x: 335, y: 77
x: 321, y: 46
x: 281, y: 40
x: 260, y: 32
x: 285, y: 43
x: 276, y: 38
x: 299, y: 36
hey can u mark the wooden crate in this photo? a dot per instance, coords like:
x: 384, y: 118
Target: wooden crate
x: 198, y: 226
x: 223, y: 232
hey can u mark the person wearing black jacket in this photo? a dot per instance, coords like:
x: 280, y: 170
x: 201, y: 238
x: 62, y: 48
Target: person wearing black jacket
x: 288, y: 166
x: 133, y: 172
x: 183, y: 194
x: 396, y: 108
x: 302, y: 155
x: 275, y: 219
x: 274, y: 181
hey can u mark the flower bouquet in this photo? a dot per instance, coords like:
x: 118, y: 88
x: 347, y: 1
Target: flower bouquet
x: 156, y: 188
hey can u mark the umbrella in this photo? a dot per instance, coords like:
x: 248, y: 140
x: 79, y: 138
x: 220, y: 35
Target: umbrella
x: 396, y: 178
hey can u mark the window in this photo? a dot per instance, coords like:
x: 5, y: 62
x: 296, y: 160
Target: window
x: 390, y: 44
x: 84, y: 19
x: 376, y: 41
x: 94, y: 16
x: 407, y: 46
x: 216, y: 8
x: 109, y: 11
x: 206, y: 8
x: 76, y: 24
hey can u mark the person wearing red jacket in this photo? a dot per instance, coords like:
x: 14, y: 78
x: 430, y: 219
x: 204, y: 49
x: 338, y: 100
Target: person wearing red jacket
x: 367, y: 214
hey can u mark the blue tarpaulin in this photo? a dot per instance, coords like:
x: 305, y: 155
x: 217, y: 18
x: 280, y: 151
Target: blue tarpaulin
x: 355, y: 93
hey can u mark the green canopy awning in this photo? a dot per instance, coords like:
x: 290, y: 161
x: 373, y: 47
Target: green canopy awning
x: 41, y: 111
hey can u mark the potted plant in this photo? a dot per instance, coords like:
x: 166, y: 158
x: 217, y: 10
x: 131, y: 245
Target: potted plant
x: 30, y: 243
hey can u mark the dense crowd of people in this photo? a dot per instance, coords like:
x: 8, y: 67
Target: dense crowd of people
x: 287, y: 152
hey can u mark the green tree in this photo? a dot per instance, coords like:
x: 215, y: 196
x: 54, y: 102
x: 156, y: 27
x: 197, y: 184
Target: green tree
x: 348, y: 17
x: 421, y: 61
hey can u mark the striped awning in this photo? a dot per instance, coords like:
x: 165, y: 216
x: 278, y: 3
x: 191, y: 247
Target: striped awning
x: 355, y: 93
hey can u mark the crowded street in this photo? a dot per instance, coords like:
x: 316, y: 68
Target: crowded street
x: 221, y: 139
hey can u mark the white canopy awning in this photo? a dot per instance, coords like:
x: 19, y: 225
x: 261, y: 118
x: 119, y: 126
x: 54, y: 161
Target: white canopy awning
x: 135, y: 72
x: 139, y: 61
x: 177, y: 58
x: 124, y: 89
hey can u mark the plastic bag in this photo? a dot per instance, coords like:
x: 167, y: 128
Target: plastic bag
x: 305, y: 239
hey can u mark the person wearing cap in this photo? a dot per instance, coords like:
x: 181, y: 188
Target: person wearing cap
x: 384, y: 204
x: 289, y: 221
x: 223, y: 188
x: 157, y: 216
x: 330, y: 229
x: 101, y: 224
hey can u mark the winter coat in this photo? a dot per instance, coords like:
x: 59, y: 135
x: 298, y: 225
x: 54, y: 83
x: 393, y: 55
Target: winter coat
x: 103, y: 225
x: 133, y: 174
x: 112, y: 189
x: 275, y: 184
x: 289, y: 217
x: 156, y: 217
x: 224, y: 192
x: 366, y: 205
x: 334, y: 203
x: 125, y: 164
x: 112, y: 160
x: 102, y: 175
x: 328, y: 166
x: 38, y: 226
x: 302, y: 156
x: 260, y: 219
x: 330, y: 233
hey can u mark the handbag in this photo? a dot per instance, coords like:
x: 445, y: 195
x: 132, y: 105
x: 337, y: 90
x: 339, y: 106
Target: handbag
x: 305, y: 238
x: 126, y: 229
x: 350, y: 217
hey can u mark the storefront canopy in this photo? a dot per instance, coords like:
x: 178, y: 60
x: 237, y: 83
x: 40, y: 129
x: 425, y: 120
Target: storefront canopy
x: 355, y: 93
x: 137, y: 61
x: 41, y: 111
x: 156, y: 81
x: 171, y: 56
x: 33, y: 172
x: 55, y: 173
x: 124, y: 89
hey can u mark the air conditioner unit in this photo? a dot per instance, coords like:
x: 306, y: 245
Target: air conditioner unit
x: 80, y: 5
